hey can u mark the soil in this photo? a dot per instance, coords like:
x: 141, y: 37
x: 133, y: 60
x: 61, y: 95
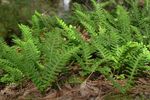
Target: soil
x: 99, y: 89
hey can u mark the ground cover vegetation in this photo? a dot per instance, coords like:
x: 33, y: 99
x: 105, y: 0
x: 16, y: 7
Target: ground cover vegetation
x: 113, y: 43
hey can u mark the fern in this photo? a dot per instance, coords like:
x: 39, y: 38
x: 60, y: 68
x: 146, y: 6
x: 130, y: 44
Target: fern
x: 140, y: 18
x: 13, y: 74
x: 42, y: 51
x: 39, y: 59
x: 113, y: 40
x: 123, y: 20
x: 85, y: 59
x: 139, y: 60
x: 71, y: 31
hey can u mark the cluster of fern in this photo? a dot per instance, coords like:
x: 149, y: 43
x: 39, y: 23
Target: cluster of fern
x: 110, y: 43
x: 39, y: 55
x: 115, y: 44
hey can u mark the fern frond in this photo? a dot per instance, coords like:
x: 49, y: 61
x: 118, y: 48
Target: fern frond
x: 26, y: 32
x: 124, y: 22
x: 53, y: 68
x: 139, y: 59
x: 71, y: 33
x: 14, y: 73
x: 36, y: 21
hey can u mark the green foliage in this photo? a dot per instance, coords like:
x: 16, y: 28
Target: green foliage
x: 140, y: 17
x: 40, y: 58
x: 112, y: 49
x: 12, y: 74
x: 109, y: 43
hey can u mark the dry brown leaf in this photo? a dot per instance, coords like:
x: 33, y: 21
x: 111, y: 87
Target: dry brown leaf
x: 88, y: 89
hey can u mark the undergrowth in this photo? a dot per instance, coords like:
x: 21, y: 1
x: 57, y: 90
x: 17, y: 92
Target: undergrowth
x: 114, y: 44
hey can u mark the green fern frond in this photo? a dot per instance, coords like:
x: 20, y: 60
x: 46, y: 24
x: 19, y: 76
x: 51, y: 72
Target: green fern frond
x: 85, y: 58
x: 26, y: 32
x: 71, y: 33
x: 53, y: 68
x: 13, y: 74
x: 124, y: 23
x: 139, y: 59
x: 36, y: 21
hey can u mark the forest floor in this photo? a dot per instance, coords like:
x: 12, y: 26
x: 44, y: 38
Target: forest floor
x: 99, y: 89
